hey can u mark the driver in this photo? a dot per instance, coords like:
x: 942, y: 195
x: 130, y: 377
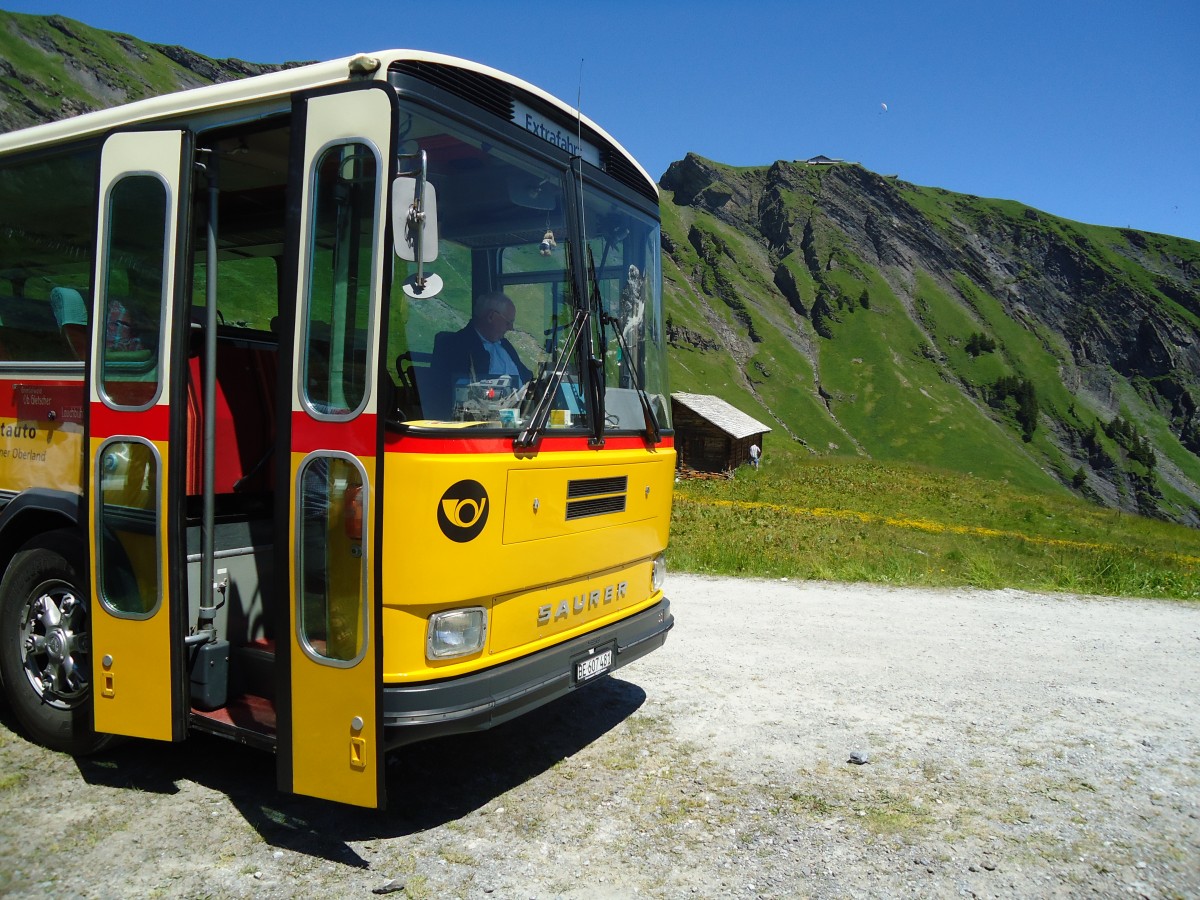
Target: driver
x: 477, y: 351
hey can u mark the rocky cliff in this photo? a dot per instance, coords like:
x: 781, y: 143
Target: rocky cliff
x: 1047, y: 349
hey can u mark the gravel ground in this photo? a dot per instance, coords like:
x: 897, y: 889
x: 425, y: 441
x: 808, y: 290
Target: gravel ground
x: 1016, y: 745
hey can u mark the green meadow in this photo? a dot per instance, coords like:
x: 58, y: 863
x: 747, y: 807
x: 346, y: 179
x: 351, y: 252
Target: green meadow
x: 906, y: 525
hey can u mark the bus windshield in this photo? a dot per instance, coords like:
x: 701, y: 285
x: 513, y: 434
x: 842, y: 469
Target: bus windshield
x: 481, y: 351
x: 623, y: 256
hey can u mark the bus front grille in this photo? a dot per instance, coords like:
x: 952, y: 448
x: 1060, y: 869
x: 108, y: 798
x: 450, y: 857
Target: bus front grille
x: 593, y: 487
x: 596, y: 496
x: 599, y: 506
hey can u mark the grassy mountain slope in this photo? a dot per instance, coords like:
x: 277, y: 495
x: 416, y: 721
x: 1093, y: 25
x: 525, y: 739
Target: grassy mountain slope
x: 861, y: 315
x: 52, y: 67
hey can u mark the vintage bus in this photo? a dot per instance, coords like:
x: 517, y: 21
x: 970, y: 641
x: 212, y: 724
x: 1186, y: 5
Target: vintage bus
x: 256, y: 479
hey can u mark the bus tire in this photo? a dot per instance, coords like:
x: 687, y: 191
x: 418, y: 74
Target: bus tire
x: 45, y: 644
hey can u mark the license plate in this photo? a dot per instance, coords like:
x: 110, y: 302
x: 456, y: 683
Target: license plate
x: 593, y: 666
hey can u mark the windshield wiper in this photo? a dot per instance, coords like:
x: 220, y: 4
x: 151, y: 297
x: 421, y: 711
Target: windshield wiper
x: 652, y: 430
x: 595, y: 358
x: 653, y: 433
x: 541, y: 412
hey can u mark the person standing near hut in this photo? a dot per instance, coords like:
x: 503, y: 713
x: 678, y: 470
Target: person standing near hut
x: 755, y: 453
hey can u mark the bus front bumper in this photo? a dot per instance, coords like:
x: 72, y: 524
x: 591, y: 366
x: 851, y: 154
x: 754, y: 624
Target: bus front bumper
x: 417, y: 712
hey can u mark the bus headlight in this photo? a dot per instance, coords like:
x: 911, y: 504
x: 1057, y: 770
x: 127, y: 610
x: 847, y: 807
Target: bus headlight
x: 658, y: 573
x: 456, y: 632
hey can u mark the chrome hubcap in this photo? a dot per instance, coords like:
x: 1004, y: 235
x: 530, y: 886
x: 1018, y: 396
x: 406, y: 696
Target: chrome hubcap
x: 54, y: 645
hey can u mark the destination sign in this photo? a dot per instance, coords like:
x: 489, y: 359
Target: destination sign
x: 538, y: 124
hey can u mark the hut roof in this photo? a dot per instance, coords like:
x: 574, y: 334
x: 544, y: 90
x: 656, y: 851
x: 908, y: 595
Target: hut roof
x: 728, y: 418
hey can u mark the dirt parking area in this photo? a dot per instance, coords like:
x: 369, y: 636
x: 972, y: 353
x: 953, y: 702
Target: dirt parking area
x: 1006, y: 745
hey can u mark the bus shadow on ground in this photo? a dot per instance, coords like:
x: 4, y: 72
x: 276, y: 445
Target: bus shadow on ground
x: 428, y: 784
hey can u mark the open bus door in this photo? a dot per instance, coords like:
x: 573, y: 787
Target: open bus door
x: 328, y: 699
x: 137, y: 633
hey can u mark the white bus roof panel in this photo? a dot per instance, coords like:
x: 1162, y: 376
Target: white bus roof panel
x: 262, y: 89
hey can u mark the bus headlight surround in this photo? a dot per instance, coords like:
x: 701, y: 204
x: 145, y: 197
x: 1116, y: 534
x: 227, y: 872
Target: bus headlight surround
x: 456, y: 632
x: 658, y: 573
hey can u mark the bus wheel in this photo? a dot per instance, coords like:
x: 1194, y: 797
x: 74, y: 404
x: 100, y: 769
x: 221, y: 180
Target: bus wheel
x: 45, y: 644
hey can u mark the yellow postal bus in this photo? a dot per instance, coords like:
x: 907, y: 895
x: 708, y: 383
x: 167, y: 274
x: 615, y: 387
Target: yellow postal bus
x: 333, y: 414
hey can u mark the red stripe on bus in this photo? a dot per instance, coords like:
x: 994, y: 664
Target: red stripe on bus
x: 420, y: 443
x: 153, y: 424
x: 356, y: 437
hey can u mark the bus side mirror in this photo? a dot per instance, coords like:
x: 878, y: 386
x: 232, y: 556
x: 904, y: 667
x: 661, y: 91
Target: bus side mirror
x: 415, y: 232
x: 414, y: 219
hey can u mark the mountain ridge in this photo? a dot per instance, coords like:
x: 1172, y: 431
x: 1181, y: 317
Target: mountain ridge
x: 52, y: 67
x: 1082, y: 340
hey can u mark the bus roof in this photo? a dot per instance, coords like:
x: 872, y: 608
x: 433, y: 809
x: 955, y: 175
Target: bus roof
x: 264, y: 88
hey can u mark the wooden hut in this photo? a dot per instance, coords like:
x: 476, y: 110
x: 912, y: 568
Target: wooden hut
x: 711, y: 435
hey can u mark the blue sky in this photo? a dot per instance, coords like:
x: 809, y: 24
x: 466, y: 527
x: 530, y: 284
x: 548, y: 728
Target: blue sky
x: 1083, y: 109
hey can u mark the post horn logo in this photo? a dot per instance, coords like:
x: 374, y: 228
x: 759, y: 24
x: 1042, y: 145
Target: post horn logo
x: 463, y: 511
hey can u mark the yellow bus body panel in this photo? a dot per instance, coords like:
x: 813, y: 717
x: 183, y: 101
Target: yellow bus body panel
x: 527, y: 556
x: 334, y: 759
x: 334, y: 729
x: 133, y: 691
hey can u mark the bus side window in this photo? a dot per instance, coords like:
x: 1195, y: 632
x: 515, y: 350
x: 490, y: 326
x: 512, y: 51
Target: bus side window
x: 133, y: 293
x: 338, y: 315
x: 71, y: 314
x: 331, y: 562
x: 47, y: 231
x: 128, y: 557
x: 28, y: 327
